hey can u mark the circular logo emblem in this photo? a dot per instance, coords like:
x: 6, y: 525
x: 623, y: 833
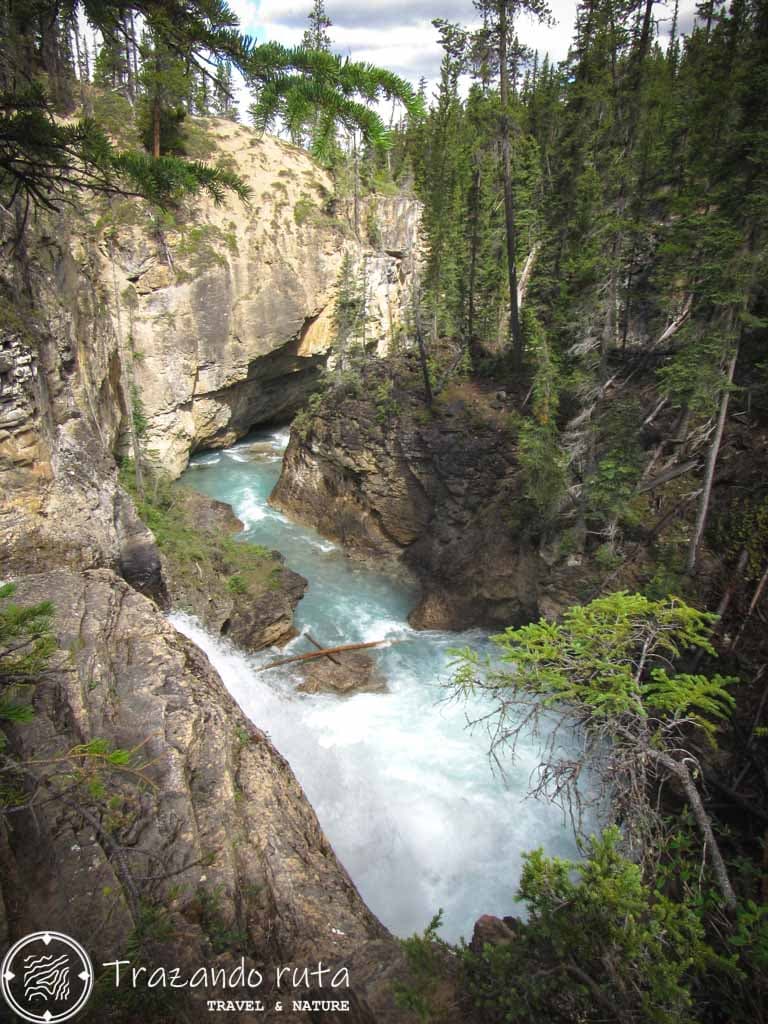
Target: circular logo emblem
x: 46, y: 977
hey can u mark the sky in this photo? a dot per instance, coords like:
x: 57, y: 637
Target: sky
x: 398, y: 34
x: 395, y: 34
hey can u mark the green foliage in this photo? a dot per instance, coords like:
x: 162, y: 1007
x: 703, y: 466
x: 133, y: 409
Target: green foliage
x: 46, y: 160
x: 695, y: 376
x: 237, y: 584
x: 543, y: 466
x: 201, y: 247
x: 195, y: 141
x: 744, y: 525
x: 26, y: 647
x: 372, y: 228
x: 302, y: 422
x: 199, y: 557
x: 349, y: 313
x: 140, y: 421
x: 26, y: 640
x: 607, y: 557
x: 606, y: 674
x: 164, y: 81
x: 612, y: 485
x: 387, y: 406
x: 125, y: 1004
x: 115, y: 115
x: 599, y: 943
x: 223, y: 934
x: 611, y: 657
x: 425, y: 956
x: 668, y: 577
x: 42, y: 159
x: 304, y: 87
x: 304, y: 210
x: 750, y: 939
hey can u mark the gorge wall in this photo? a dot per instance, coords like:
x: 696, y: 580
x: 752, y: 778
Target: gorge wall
x: 439, y: 491
x: 199, y: 323
x: 229, y: 309
x: 204, y: 325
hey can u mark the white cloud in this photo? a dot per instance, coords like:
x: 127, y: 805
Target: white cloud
x: 398, y: 34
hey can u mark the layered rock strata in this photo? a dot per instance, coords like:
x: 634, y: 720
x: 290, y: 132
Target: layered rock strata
x: 438, y: 492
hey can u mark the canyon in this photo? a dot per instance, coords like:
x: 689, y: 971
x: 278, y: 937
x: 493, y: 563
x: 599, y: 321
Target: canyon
x: 206, y: 327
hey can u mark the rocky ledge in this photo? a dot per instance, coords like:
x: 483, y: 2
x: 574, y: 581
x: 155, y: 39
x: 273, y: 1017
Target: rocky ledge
x: 240, y: 590
x: 438, y: 490
x: 352, y: 672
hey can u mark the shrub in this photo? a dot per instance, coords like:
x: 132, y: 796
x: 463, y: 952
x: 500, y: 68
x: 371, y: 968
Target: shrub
x: 599, y: 944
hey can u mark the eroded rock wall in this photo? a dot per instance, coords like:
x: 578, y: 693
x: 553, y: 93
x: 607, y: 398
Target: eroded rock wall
x: 436, y: 491
x: 229, y: 308
x: 61, y: 414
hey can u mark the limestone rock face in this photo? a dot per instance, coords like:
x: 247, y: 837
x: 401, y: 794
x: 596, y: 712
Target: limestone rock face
x: 231, y: 307
x: 221, y: 836
x: 61, y: 410
x: 435, y: 491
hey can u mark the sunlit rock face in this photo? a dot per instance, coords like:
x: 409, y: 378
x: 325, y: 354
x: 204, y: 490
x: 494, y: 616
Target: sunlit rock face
x: 231, y: 306
x: 200, y: 322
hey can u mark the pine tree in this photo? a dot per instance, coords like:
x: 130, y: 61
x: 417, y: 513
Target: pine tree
x: 499, y: 16
x: 349, y: 315
x: 223, y: 101
x: 316, y: 36
x: 607, y: 668
x: 165, y: 86
x: 42, y: 159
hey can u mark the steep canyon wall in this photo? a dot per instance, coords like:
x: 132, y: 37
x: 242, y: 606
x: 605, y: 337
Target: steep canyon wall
x: 191, y: 328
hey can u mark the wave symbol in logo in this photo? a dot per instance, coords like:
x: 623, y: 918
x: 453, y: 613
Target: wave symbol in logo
x: 46, y: 977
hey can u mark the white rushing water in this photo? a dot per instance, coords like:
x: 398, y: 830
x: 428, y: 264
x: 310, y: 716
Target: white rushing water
x: 402, y: 789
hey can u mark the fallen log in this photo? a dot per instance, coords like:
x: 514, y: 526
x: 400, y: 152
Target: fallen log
x: 324, y: 652
x: 667, y: 475
x: 320, y: 648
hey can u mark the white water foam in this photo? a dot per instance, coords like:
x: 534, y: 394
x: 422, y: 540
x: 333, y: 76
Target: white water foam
x: 402, y: 790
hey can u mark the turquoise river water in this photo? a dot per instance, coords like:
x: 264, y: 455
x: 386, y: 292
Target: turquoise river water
x: 403, y: 790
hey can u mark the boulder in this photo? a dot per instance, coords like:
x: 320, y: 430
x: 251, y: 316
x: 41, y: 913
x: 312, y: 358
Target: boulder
x: 351, y: 672
x: 492, y: 931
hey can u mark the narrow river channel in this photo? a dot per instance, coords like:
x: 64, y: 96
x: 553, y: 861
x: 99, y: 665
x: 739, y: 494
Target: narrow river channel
x: 403, y: 790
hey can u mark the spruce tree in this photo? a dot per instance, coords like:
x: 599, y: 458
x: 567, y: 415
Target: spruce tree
x: 316, y: 36
x: 165, y: 85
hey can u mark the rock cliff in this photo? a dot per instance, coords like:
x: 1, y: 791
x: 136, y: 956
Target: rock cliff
x: 437, y: 490
x: 62, y: 412
x: 229, y: 308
